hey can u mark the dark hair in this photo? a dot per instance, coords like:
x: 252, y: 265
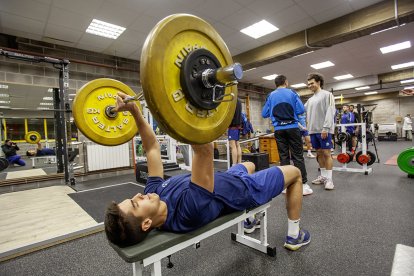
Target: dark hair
x: 280, y: 80
x: 28, y: 153
x: 122, y: 230
x: 317, y: 77
x: 7, y: 140
x: 352, y: 105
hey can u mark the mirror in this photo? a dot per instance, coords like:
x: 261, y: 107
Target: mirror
x: 25, y: 108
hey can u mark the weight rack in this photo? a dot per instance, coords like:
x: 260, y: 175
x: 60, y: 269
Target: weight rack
x: 344, y: 167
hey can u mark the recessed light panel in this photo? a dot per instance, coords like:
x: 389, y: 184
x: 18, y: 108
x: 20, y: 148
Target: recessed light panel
x: 259, y: 29
x: 270, y: 77
x: 396, y: 47
x: 344, y: 77
x: 322, y: 65
x: 101, y: 28
x: 402, y: 65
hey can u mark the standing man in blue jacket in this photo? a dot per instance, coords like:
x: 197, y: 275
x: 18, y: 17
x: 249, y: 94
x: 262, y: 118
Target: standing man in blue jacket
x: 283, y: 106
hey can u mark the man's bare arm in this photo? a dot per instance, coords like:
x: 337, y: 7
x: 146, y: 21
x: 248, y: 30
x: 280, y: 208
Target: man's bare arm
x: 149, y: 140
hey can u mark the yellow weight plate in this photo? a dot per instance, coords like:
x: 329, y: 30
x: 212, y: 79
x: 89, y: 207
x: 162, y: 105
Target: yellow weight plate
x: 90, y: 117
x: 32, y: 137
x: 166, y: 46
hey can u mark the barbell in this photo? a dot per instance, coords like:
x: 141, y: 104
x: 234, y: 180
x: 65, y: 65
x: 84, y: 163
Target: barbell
x: 189, y: 82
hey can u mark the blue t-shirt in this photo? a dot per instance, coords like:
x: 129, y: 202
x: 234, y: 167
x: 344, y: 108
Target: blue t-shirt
x: 283, y: 107
x: 348, y: 118
x: 45, y: 152
x: 191, y: 206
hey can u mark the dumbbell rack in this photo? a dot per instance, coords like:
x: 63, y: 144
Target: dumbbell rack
x: 344, y: 167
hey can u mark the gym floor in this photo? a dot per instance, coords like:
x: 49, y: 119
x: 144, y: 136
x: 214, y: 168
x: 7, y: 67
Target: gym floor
x: 355, y: 229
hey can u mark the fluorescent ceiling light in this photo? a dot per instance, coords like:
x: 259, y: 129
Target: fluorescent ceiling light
x: 259, y: 29
x: 72, y: 95
x: 3, y: 106
x: 396, y: 47
x: 270, y: 77
x: 402, y: 65
x: 402, y: 82
x: 250, y: 69
x: 409, y: 87
x: 338, y: 97
x: 50, y: 90
x: 299, y: 85
x: 46, y: 103
x: 390, y: 28
x: 362, y: 88
x: 43, y: 108
x: 48, y: 98
x: 101, y: 28
x: 4, y: 95
x: 371, y: 93
x: 4, y: 86
x: 344, y: 77
x: 5, y: 102
x: 322, y: 65
x: 303, y: 54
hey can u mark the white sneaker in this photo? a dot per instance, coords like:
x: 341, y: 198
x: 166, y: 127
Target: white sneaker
x: 307, y: 190
x: 284, y: 191
x: 310, y: 155
x: 329, y: 184
x: 320, y: 180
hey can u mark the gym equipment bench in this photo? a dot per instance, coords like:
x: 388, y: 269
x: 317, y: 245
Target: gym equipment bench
x: 161, y: 244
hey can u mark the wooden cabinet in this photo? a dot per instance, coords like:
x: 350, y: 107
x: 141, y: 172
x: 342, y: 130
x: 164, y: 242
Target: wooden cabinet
x: 268, y: 145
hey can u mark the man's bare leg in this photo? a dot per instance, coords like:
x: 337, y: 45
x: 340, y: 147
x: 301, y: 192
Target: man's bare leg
x: 293, y: 186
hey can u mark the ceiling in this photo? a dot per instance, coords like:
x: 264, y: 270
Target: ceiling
x: 64, y: 22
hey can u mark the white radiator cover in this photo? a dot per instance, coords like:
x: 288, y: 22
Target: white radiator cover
x: 103, y: 157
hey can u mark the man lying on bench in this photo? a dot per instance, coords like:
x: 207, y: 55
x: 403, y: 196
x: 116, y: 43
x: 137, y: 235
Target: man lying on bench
x: 184, y: 203
x: 40, y: 151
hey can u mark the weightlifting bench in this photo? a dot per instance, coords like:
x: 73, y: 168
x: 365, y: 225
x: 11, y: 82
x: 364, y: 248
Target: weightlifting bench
x: 161, y: 244
x: 49, y: 159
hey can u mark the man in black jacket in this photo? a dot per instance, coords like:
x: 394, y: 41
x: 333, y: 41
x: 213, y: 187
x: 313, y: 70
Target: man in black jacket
x: 10, y: 148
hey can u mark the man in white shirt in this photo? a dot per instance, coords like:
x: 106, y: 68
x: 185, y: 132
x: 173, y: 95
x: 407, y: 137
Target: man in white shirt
x: 320, y: 110
x: 408, y: 127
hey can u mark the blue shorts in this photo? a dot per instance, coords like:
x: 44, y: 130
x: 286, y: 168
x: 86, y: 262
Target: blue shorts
x: 263, y: 185
x: 304, y: 133
x: 234, y: 134
x: 319, y: 143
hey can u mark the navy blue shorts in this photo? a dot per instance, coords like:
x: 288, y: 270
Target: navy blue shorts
x: 319, y: 143
x: 304, y: 133
x: 264, y: 185
x: 234, y: 134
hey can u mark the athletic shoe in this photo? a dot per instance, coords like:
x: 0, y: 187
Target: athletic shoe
x: 320, y: 180
x: 307, y: 190
x: 284, y: 191
x: 250, y: 226
x: 310, y: 155
x: 329, y: 185
x: 302, y: 239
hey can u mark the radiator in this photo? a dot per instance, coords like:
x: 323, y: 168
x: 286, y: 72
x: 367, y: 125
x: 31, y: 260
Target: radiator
x: 102, y: 157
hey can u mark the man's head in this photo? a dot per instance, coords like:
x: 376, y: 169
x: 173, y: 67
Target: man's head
x: 345, y: 108
x: 351, y: 108
x: 281, y: 80
x: 8, y: 142
x: 315, y: 82
x: 130, y: 221
x: 31, y: 152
